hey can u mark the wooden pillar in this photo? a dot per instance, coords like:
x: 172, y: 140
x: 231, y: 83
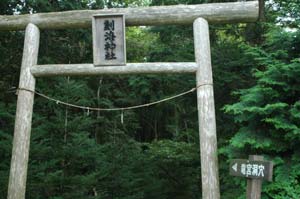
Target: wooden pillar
x: 21, y: 141
x: 206, y: 112
x: 254, y: 185
x: 261, y: 10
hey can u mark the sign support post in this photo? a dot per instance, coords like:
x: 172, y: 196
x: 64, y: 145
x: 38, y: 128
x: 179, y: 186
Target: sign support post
x: 254, y: 185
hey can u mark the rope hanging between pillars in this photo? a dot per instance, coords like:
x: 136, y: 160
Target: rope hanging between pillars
x: 111, y: 109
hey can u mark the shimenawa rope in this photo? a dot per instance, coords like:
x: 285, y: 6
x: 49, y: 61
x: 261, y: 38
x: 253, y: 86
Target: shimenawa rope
x: 111, y: 109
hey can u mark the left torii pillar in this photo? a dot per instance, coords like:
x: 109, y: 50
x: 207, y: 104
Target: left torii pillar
x: 21, y: 141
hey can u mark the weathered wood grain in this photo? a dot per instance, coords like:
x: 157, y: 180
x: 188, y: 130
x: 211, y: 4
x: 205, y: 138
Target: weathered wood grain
x: 99, y: 40
x: 206, y: 112
x: 130, y: 68
x: 21, y: 141
x: 157, y: 15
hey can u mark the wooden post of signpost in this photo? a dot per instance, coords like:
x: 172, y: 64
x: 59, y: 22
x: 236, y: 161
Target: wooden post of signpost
x: 21, y: 141
x: 206, y: 112
x: 254, y: 185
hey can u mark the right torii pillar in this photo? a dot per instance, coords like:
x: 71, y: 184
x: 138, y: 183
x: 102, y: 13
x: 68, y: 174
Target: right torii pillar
x: 206, y: 112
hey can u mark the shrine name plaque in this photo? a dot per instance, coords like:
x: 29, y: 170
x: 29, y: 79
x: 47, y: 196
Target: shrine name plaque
x: 109, y: 47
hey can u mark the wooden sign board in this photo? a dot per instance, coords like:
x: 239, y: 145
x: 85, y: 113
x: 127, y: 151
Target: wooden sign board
x: 251, y: 169
x: 109, y: 40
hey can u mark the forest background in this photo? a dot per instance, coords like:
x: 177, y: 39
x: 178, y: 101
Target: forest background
x: 154, y: 153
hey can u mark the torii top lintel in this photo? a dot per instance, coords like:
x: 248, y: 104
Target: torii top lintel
x: 234, y: 12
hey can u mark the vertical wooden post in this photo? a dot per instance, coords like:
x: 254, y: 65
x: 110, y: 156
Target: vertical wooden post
x: 254, y: 185
x: 261, y: 10
x: 206, y: 112
x: 21, y: 141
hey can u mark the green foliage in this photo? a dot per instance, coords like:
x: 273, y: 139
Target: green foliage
x: 268, y: 112
x: 286, y: 12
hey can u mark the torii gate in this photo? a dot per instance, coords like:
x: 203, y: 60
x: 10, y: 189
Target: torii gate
x: 199, y: 15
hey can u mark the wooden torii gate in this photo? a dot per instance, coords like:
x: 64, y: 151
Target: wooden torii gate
x: 199, y: 15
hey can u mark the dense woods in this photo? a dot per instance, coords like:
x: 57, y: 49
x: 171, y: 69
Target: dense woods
x: 153, y: 152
